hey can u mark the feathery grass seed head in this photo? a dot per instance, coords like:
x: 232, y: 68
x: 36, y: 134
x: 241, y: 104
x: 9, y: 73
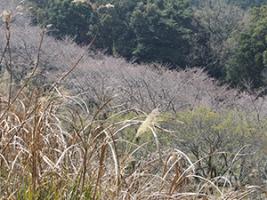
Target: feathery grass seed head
x: 6, y: 16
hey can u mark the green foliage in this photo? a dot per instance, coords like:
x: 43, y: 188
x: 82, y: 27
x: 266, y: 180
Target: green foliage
x: 168, y: 32
x: 143, y: 30
x: 162, y: 31
x: 148, y: 31
x: 203, y: 120
x: 220, y: 19
x: 220, y: 135
x: 248, y: 60
x: 67, y: 18
x: 113, y: 31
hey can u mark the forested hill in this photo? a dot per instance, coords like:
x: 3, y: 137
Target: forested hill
x: 90, y: 111
x: 225, y: 37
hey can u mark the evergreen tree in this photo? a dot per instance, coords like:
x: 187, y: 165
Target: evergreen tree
x: 249, y: 59
x: 66, y: 17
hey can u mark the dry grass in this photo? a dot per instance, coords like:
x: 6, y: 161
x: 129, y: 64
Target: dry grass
x: 52, y: 149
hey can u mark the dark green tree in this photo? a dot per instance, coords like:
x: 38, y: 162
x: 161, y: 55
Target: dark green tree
x: 163, y: 30
x: 142, y: 30
x: 113, y: 30
x: 149, y: 31
x: 220, y: 19
x: 67, y: 18
x: 249, y: 58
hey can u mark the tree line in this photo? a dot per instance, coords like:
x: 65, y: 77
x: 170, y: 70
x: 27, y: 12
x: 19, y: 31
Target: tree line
x: 226, y: 37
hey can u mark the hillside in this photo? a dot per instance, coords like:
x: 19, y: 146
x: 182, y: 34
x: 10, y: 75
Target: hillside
x: 76, y: 123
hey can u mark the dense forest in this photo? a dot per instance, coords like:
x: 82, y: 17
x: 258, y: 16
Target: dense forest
x: 133, y: 100
x: 225, y: 37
